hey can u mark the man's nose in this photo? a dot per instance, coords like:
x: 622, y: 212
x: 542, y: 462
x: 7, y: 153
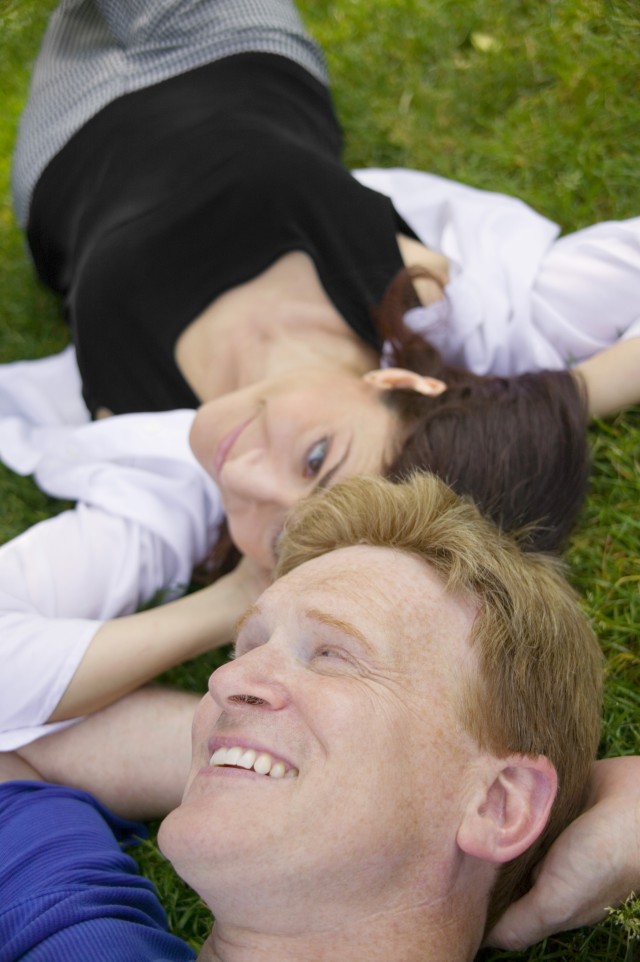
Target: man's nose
x: 249, y: 683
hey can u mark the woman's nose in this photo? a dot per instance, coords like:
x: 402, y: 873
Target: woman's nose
x: 248, y: 683
x: 255, y: 478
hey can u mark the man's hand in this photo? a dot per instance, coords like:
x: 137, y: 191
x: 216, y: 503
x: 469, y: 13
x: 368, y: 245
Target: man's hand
x: 594, y: 864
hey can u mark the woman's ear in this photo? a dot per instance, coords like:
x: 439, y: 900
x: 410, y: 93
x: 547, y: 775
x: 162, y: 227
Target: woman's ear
x: 507, y: 814
x: 391, y: 378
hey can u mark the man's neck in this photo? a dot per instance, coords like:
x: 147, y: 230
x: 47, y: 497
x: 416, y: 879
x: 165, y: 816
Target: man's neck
x: 451, y: 943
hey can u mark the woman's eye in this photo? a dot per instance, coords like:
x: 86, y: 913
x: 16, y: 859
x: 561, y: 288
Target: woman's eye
x: 315, y: 458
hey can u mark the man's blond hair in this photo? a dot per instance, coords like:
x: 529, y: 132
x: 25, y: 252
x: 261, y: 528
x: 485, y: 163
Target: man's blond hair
x: 539, y: 689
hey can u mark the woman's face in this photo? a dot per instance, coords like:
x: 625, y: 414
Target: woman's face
x: 269, y: 445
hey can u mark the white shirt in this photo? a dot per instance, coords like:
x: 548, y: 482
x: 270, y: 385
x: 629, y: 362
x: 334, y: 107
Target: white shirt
x: 146, y: 514
x: 520, y: 299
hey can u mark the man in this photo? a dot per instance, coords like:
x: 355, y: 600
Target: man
x: 405, y: 693
x: 374, y: 774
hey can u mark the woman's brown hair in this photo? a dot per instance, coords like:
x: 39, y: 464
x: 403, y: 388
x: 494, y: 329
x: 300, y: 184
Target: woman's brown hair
x: 516, y: 445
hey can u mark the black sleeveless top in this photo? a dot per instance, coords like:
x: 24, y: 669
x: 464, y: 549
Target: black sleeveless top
x: 173, y: 194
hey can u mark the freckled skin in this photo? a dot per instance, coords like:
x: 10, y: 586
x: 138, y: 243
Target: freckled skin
x: 371, y: 727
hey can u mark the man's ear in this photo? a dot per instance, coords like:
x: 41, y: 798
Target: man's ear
x: 509, y: 812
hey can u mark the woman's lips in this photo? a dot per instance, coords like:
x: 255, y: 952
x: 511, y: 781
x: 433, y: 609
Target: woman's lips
x: 223, y: 449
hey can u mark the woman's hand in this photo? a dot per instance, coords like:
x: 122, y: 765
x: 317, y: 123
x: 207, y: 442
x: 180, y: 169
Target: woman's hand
x: 612, y: 378
x: 594, y: 864
x: 243, y: 586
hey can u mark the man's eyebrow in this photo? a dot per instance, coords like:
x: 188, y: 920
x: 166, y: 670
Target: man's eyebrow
x: 250, y: 613
x: 325, y: 481
x: 344, y: 626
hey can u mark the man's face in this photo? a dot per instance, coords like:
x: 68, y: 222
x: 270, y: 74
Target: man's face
x: 348, y: 774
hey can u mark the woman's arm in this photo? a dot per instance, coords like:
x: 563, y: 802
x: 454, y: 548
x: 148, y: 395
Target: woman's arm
x: 594, y: 864
x: 14, y: 769
x: 130, y: 651
x: 134, y: 755
x: 61, y: 584
x: 146, y: 513
x: 612, y: 378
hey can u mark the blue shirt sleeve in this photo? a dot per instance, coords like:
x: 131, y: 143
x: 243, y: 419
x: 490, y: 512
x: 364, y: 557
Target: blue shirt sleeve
x: 67, y: 890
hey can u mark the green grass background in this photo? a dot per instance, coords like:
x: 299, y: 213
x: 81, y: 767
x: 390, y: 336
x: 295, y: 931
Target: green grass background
x: 536, y: 99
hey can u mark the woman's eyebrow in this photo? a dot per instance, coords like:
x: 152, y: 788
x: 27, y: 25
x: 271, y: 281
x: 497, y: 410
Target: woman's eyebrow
x: 325, y: 481
x: 346, y: 627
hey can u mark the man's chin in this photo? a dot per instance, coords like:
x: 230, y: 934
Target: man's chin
x: 180, y: 844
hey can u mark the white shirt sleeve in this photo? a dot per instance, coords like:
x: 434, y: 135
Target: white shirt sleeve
x: 146, y: 513
x: 519, y: 297
x: 587, y: 292
x: 58, y: 582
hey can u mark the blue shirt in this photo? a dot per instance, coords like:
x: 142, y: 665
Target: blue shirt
x: 67, y: 890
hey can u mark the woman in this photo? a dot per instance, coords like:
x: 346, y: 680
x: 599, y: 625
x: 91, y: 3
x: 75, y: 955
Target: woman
x: 178, y: 175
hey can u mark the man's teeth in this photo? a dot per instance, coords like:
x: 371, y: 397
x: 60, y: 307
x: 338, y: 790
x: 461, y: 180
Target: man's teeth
x: 260, y: 762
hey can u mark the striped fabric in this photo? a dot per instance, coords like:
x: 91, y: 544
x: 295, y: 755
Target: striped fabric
x: 96, y: 50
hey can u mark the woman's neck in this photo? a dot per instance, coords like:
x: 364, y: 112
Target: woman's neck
x: 278, y: 322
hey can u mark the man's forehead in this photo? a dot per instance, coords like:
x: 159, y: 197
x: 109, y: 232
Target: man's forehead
x: 393, y: 602
x: 372, y: 584
x: 361, y: 568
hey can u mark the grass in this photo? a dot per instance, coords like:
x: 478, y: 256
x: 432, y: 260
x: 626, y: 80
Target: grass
x: 532, y: 99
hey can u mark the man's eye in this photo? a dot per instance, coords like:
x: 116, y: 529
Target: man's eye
x: 316, y: 458
x: 275, y: 543
x: 330, y: 653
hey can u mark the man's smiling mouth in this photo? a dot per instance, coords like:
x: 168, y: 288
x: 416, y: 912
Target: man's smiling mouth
x: 248, y: 758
